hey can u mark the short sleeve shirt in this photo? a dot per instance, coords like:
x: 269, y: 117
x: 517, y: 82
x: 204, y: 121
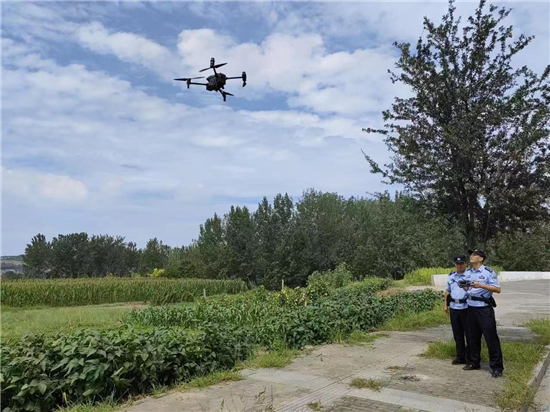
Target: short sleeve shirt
x: 456, y: 291
x: 483, y: 275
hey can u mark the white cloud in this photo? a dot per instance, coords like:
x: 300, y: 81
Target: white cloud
x: 125, y: 142
x: 294, y: 59
x: 129, y: 47
x: 296, y: 64
x: 347, y: 83
x: 38, y: 187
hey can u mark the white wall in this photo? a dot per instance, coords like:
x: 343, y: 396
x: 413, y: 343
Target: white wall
x: 441, y: 280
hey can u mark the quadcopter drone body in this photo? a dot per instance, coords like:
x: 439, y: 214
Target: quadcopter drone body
x: 216, y: 82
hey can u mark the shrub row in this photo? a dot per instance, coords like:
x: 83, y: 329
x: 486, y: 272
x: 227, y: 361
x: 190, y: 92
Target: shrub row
x: 73, y: 292
x: 321, y: 285
x: 269, y: 323
x: 40, y: 373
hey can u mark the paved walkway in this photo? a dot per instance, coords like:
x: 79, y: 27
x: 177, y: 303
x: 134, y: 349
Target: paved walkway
x: 542, y: 400
x: 321, y: 379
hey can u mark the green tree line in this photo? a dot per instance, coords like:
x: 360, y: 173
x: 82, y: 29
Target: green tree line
x: 290, y: 240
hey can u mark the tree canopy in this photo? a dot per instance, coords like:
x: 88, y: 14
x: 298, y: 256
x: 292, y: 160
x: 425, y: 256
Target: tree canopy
x: 472, y: 142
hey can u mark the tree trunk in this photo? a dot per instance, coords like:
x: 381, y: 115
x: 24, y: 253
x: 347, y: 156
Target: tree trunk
x: 470, y: 235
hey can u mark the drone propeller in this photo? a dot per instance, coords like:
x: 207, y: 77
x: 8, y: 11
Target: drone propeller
x: 213, y: 67
x: 184, y: 79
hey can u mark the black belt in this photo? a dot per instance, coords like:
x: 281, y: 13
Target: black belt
x: 489, y: 301
x: 459, y: 300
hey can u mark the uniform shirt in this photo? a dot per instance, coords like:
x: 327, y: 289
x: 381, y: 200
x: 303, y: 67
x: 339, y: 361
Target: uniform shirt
x: 456, y: 291
x: 483, y: 275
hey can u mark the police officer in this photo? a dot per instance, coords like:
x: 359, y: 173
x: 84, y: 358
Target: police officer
x: 455, y: 296
x: 481, y: 315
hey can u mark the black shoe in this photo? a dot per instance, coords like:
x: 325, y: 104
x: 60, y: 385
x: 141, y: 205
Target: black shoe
x: 471, y: 367
x: 496, y: 374
x: 457, y: 362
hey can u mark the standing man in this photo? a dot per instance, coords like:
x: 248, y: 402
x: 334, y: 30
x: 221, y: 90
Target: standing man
x: 481, y: 315
x: 456, y: 297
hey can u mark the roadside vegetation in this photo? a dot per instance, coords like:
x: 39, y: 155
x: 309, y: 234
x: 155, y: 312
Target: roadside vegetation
x: 159, y: 347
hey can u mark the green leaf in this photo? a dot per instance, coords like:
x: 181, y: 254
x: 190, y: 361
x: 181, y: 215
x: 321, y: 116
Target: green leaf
x: 89, y: 392
x: 42, y: 387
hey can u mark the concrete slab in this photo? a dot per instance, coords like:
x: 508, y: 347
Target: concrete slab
x: 542, y: 399
x: 418, y: 401
x: 354, y: 404
x: 520, y: 302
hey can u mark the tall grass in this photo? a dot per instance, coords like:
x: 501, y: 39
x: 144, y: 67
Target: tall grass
x: 75, y: 292
x: 423, y: 276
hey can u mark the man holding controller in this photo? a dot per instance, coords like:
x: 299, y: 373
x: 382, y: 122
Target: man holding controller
x: 481, y: 315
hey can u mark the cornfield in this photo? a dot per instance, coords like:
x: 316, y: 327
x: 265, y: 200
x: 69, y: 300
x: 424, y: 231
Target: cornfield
x: 74, y: 292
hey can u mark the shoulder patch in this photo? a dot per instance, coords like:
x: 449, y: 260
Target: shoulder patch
x: 452, y: 273
x: 489, y: 269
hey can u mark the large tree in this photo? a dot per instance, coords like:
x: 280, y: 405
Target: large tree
x: 239, y: 236
x: 154, y: 256
x: 472, y: 142
x: 71, y: 256
x: 37, y: 261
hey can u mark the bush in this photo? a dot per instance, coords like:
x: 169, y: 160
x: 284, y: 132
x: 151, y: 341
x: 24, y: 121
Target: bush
x: 40, y: 373
x: 73, y: 292
x: 321, y: 283
x: 157, y: 273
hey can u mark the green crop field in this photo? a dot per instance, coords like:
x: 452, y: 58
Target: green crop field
x: 75, y: 292
x: 109, y: 352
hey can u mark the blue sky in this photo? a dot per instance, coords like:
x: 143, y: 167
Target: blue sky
x: 97, y: 137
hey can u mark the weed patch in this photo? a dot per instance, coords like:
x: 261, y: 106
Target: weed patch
x: 373, y: 384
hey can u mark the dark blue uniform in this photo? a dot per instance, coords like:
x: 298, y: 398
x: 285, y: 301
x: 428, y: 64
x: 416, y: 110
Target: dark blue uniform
x: 481, y: 319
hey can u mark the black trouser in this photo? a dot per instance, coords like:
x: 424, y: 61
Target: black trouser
x: 482, y: 321
x: 459, y: 323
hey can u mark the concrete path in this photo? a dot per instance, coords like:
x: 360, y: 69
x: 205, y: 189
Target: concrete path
x: 321, y: 379
x: 542, y: 400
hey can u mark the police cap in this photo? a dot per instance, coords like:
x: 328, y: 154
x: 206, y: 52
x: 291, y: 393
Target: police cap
x: 478, y: 252
x: 460, y: 259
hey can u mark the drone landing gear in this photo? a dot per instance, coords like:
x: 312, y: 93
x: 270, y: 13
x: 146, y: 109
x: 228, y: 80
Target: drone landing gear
x: 225, y: 94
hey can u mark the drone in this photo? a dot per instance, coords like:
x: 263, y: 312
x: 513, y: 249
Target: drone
x: 216, y: 82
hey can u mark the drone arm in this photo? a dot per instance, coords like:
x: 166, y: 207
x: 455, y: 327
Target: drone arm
x: 199, y: 84
x: 243, y: 76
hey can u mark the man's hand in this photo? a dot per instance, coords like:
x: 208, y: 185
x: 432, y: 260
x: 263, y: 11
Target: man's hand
x: 446, y: 309
x: 490, y: 288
